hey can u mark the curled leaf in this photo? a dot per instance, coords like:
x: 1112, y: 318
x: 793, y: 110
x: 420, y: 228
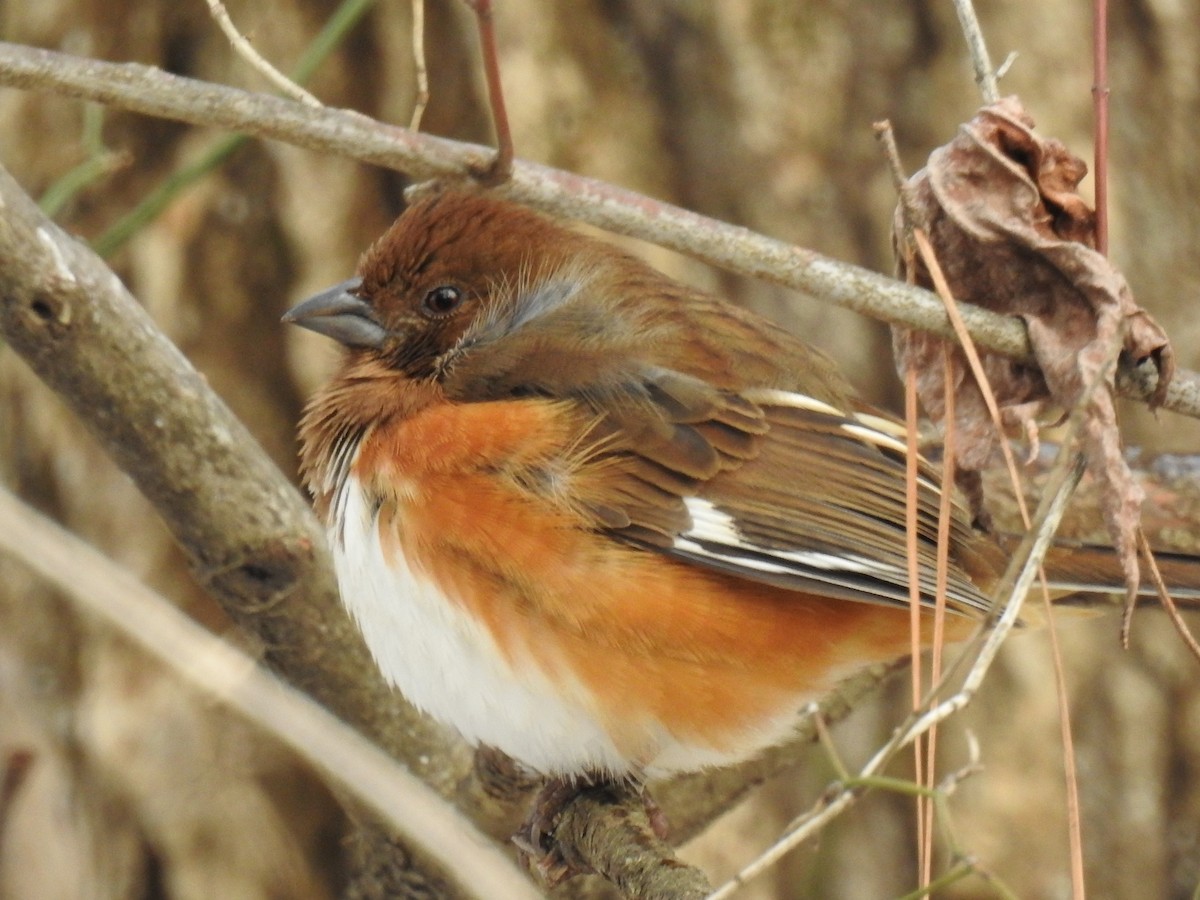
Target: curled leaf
x: 1012, y: 234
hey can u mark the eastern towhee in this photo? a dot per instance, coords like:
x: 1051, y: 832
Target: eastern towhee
x: 597, y: 519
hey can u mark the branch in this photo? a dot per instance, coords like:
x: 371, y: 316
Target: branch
x: 154, y: 92
x: 242, y: 46
x: 425, y: 821
x: 981, y: 62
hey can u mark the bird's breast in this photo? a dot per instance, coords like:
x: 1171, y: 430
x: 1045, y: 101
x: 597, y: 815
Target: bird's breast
x: 447, y: 662
x: 504, y: 615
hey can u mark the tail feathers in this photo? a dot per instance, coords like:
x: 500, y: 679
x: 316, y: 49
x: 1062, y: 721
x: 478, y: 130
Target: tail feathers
x: 1073, y: 568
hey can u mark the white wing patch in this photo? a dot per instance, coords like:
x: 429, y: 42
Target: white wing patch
x: 714, y: 526
x: 776, y: 397
x: 874, y: 436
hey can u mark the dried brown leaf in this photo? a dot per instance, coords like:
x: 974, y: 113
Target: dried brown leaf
x: 1000, y: 205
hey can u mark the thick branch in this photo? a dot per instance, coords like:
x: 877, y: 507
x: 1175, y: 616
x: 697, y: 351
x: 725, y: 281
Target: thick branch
x: 249, y: 536
x: 420, y: 156
x: 213, y: 666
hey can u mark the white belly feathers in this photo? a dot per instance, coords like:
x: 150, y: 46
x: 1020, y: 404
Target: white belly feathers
x: 447, y: 665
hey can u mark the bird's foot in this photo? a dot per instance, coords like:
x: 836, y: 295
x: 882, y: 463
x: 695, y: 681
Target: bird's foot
x: 536, y: 839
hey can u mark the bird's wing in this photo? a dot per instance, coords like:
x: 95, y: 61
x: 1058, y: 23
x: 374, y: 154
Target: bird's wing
x: 777, y: 487
x: 767, y: 484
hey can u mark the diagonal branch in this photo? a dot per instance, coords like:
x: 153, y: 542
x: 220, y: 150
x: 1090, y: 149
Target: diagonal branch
x: 249, y: 537
x: 215, y: 667
x: 157, y: 93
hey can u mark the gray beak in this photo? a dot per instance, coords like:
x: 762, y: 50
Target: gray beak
x: 339, y: 314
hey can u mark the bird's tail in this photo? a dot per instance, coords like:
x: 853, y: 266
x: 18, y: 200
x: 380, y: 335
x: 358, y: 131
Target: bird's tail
x: 1076, y: 573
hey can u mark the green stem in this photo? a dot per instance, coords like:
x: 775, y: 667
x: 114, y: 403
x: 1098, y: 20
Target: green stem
x: 60, y: 193
x: 958, y: 873
x: 895, y: 785
x: 100, y: 160
x: 345, y: 17
x: 150, y: 206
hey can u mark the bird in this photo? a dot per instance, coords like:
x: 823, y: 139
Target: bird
x: 612, y: 525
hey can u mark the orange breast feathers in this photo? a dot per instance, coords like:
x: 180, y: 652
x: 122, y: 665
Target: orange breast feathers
x: 492, y: 503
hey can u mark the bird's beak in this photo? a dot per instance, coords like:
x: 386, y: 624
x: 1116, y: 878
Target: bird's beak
x: 339, y: 314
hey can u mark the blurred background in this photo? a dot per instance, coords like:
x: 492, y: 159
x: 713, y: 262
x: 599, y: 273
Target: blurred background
x: 757, y: 112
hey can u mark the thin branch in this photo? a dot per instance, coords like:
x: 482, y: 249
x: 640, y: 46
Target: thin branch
x: 985, y: 75
x: 1014, y: 586
x: 246, y: 51
x: 157, y: 93
x: 426, y: 822
x: 499, y: 169
x: 1100, y: 112
x: 418, y: 49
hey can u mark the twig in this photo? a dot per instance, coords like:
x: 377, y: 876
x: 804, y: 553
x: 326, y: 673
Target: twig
x: 500, y: 168
x: 100, y: 162
x: 418, y: 48
x: 948, y: 785
x: 1002, y: 69
x: 1100, y: 112
x: 1015, y: 585
x: 208, y: 663
x: 985, y: 75
x: 957, y: 873
x: 1164, y: 597
x: 246, y: 51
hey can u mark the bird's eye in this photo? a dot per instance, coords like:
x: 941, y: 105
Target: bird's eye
x: 442, y: 301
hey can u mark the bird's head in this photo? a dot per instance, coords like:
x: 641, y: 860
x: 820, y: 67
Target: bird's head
x: 448, y: 264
